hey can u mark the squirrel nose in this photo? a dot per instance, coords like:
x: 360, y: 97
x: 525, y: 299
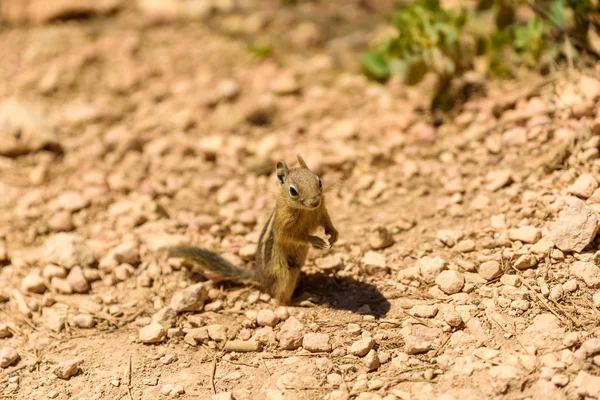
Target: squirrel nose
x: 315, y: 202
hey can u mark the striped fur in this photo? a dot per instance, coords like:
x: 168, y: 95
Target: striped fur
x: 284, y: 241
x: 214, y: 262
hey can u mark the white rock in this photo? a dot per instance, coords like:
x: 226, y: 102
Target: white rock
x: 415, y: 345
x: 430, y: 268
x: 24, y: 130
x: 228, y: 89
x: 84, y: 321
x: 587, y: 272
x: 374, y: 258
x: 33, y: 283
x: 294, y: 380
x: 498, y: 221
x: 522, y: 305
x: 525, y: 234
x: 68, y: 250
x: 596, y: 299
x: 291, y: 334
x: 556, y: 293
x: 77, y: 281
x: 67, y: 369
x: 267, y: 318
x: 191, y: 298
x: 222, y: 396
x: 542, y: 246
x: 282, y: 313
x: 424, y: 311
x: 166, y: 316
x: 316, y: 342
x: 380, y: 238
x: 570, y: 286
x: 51, y: 271
x: 512, y: 280
x: 361, y: 347
x: 571, y: 339
x: 4, y: 331
x: 8, y: 356
x: 449, y: 237
x: 335, y: 379
x: 196, y: 336
x: 126, y: 253
x: 525, y: 261
x: 576, y: 227
x: 591, y: 346
x: 248, y: 251
x: 332, y: 262
x: 584, y: 186
x: 55, y: 319
x: 450, y: 281
x: 284, y: 84
x: 371, y: 360
x: 61, y: 285
x: 217, y: 332
x: 465, y: 246
x: 452, y: 318
x: 152, y: 333
x: 587, y: 385
x: 498, y: 179
x: 70, y: 201
x: 490, y: 270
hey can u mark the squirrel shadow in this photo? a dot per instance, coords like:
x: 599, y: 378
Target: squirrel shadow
x: 345, y: 293
x: 340, y: 293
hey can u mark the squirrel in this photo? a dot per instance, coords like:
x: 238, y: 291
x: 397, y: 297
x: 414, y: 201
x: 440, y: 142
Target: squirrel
x: 284, y: 241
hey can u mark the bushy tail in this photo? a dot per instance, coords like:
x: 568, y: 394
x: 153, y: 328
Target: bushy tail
x: 208, y: 260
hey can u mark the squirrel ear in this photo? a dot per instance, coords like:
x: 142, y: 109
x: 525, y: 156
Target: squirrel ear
x: 301, y: 161
x: 282, y: 171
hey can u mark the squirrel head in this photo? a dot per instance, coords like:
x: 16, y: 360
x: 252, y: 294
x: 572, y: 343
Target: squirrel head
x: 300, y: 187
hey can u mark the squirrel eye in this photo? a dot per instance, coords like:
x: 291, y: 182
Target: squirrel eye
x: 293, y: 192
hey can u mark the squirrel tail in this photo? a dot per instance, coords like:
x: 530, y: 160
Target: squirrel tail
x: 211, y: 261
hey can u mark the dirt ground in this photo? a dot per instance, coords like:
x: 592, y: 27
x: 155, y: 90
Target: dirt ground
x: 467, y: 265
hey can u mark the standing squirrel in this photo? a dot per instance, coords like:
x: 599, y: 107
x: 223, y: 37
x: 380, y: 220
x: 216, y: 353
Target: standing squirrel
x: 283, y: 243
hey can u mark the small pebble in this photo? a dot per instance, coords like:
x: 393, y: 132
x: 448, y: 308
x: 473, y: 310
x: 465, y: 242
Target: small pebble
x: 316, y: 342
x: 67, y: 369
x: 267, y: 318
x: 362, y: 347
x: 153, y: 333
x: 8, y: 356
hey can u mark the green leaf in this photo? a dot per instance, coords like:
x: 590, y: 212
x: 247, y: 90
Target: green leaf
x: 259, y: 50
x: 416, y: 69
x: 557, y: 13
x: 375, y: 65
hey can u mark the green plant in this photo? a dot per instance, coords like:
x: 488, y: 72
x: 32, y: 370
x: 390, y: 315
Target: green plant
x: 432, y: 39
x: 259, y: 50
x: 428, y: 39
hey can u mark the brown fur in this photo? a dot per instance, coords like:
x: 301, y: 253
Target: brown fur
x: 285, y: 239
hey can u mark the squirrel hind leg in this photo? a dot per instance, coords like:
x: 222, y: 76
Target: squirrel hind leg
x: 284, y: 285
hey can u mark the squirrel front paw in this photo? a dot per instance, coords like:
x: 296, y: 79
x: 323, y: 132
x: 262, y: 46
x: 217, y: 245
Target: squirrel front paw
x: 317, y: 242
x: 333, y: 235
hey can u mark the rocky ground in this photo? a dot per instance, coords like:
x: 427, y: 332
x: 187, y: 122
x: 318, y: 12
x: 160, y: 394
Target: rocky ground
x: 467, y: 265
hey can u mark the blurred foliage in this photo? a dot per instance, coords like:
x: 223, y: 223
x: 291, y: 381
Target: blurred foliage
x: 496, y: 38
x: 259, y: 50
